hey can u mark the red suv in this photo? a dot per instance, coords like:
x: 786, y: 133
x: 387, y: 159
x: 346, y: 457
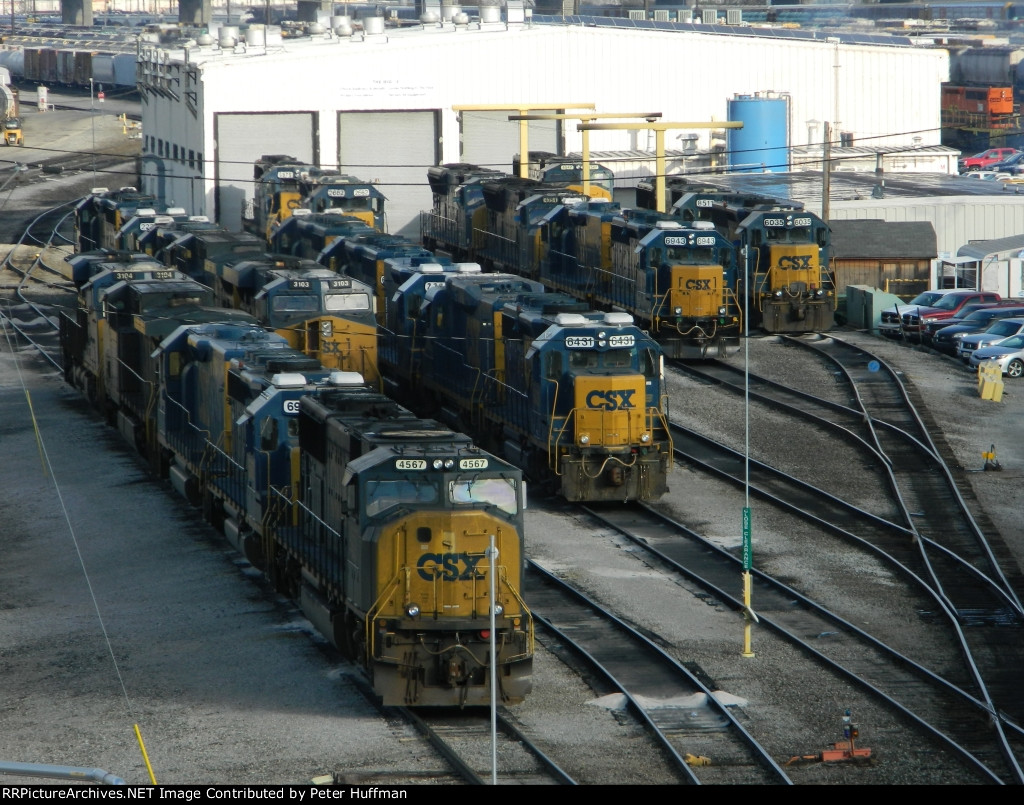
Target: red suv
x: 985, y: 158
x: 944, y: 308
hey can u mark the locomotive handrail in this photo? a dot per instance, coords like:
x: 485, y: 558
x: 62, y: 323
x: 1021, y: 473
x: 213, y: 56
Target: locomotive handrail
x: 375, y: 607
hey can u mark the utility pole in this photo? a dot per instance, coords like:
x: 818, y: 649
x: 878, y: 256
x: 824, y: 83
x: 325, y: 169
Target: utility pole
x: 826, y: 171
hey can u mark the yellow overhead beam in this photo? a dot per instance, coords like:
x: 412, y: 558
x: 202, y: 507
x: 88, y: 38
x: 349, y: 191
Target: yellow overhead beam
x: 522, y: 109
x: 659, y: 127
x: 649, y: 116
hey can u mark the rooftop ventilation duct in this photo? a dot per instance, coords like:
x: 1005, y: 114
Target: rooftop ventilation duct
x: 373, y: 25
x: 256, y: 35
x: 227, y: 36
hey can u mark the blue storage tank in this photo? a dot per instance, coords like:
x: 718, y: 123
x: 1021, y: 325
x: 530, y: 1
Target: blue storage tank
x: 762, y: 145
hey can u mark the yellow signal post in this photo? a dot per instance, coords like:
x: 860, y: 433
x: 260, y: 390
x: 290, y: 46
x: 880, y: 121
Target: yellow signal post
x: 659, y: 128
x: 522, y: 110
x: 583, y: 118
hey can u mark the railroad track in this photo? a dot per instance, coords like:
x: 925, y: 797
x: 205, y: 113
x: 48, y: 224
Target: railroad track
x: 32, y: 320
x: 972, y: 744
x: 701, y: 736
x: 944, y: 712
x: 941, y: 548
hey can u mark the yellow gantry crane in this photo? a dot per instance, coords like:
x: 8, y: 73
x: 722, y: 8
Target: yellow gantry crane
x: 522, y: 109
x: 659, y: 127
x: 650, y: 117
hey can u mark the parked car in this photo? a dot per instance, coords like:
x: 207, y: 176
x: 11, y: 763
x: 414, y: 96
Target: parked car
x: 944, y: 309
x: 996, y: 333
x: 947, y: 339
x: 987, y: 175
x: 987, y: 157
x: 1013, y: 164
x: 929, y: 330
x: 1009, y: 354
x: 890, y: 323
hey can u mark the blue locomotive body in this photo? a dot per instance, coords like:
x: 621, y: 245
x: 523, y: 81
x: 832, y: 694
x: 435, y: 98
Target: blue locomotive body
x: 350, y: 511
x: 573, y: 395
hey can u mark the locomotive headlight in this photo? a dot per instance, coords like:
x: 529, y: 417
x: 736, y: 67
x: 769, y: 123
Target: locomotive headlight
x: 584, y: 439
x: 721, y: 310
x: 778, y: 294
x: 438, y: 464
x: 819, y: 293
x: 499, y: 609
x: 645, y: 438
x: 412, y: 610
x: 449, y: 463
x: 679, y: 311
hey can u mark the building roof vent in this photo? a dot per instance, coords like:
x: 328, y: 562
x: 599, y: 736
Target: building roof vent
x: 373, y: 25
x: 227, y: 36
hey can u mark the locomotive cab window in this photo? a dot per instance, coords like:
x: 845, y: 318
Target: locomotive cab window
x: 553, y: 366
x: 618, y: 359
x: 348, y: 301
x: 583, y: 359
x: 268, y: 433
x: 649, y: 363
x: 499, y: 492
x: 295, y: 303
x: 384, y: 495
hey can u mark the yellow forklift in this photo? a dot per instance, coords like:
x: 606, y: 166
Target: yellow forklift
x: 12, y: 131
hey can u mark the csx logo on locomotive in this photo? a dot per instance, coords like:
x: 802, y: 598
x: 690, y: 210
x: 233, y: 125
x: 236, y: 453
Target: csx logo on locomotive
x: 698, y: 285
x: 611, y: 400
x: 447, y: 566
x: 797, y: 261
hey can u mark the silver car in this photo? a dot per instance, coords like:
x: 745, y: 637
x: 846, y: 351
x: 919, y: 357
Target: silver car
x: 1008, y: 353
x: 996, y: 332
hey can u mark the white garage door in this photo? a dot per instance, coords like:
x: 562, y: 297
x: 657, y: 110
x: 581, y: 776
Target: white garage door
x: 241, y: 139
x: 393, y: 150
x: 490, y: 139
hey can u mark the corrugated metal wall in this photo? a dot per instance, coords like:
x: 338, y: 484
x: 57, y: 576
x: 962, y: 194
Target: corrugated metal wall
x: 957, y: 219
x: 687, y: 77
x: 241, y: 140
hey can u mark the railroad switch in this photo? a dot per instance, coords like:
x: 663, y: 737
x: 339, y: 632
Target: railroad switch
x: 697, y: 760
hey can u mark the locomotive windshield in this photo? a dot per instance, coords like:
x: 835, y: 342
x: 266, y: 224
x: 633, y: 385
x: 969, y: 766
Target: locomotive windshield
x: 796, y: 234
x: 384, y: 495
x: 295, y: 303
x: 589, y: 359
x: 687, y: 256
x: 500, y: 492
x: 347, y: 301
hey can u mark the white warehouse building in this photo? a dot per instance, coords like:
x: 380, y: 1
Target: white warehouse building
x: 384, y: 103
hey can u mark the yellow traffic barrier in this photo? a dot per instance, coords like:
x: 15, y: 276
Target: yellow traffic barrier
x: 990, y: 381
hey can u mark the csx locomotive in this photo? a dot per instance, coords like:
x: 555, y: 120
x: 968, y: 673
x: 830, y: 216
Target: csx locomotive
x: 622, y: 452
x: 378, y: 523
x: 284, y: 184
x: 781, y: 248
x: 574, y: 396
x: 567, y: 172
x: 677, y: 281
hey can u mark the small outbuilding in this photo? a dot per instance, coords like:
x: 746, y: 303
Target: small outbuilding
x: 894, y: 257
